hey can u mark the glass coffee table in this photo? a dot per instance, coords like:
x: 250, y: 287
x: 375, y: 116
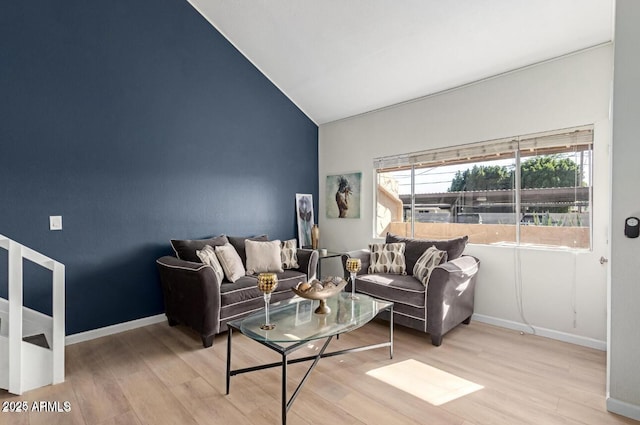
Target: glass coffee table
x: 297, y: 324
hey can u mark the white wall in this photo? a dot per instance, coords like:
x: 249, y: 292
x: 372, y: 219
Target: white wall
x: 571, y: 91
x: 624, y: 368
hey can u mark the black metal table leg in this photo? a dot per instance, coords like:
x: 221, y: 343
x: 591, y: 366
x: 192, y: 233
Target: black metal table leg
x: 229, y: 359
x: 284, y: 389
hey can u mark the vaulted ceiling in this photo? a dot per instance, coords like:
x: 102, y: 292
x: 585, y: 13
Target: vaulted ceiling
x: 340, y: 58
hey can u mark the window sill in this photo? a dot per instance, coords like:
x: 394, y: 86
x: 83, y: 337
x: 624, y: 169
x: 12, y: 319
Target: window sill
x: 535, y: 247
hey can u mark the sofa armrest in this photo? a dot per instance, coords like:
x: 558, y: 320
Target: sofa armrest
x: 365, y: 259
x: 191, y: 294
x: 450, y: 295
x: 307, y: 262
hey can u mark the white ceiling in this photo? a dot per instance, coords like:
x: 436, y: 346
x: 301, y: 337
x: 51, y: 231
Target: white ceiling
x: 339, y: 58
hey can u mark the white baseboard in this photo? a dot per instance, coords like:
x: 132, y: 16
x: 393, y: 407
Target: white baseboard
x: 36, y: 322
x: 622, y: 408
x: 113, y: 329
x: 547, y: 333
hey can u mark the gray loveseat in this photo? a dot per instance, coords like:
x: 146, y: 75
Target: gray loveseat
x: 193, y: 295
x: 446, y: 302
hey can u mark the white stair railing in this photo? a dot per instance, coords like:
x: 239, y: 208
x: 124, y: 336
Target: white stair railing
x: 19, y: 372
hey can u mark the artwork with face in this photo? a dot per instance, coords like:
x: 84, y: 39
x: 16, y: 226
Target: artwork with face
x: 343, y: 195
x: 304, y: 215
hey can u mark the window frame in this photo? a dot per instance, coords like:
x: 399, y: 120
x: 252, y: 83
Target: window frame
x: 578, y: 139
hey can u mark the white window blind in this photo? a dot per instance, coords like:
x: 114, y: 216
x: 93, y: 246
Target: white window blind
x: 565, y: 140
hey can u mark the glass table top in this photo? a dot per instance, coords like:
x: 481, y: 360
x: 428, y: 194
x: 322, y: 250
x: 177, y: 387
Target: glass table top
x: 296, y: 321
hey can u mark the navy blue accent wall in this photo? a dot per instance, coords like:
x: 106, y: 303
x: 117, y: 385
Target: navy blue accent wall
x: 137, y: 122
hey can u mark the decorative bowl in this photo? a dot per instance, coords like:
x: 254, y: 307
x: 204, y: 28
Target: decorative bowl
x: 320, y: 290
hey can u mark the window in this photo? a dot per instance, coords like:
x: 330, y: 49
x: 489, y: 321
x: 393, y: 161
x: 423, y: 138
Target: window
x: 532, y: 190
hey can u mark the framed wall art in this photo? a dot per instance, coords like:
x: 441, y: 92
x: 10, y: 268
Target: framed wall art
x: 304, y: 215
x: 342, y: 195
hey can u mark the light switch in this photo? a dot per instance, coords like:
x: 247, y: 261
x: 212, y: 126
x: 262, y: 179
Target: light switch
x: 55, y: 222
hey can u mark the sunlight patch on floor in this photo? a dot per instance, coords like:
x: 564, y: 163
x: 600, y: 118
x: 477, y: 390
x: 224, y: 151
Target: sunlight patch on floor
x: 423, y: 381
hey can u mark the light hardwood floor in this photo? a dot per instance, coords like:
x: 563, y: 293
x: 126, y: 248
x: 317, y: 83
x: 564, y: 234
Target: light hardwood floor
x: 162, y: 375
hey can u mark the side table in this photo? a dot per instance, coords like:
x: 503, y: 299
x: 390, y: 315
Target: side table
x: 329, y: 254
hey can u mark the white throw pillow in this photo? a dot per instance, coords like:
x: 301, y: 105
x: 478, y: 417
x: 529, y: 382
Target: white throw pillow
x: 230, y: 262
x: 263, y: 256
x: 208, y: 256
x: 289, y: 254
x: 428, y: 261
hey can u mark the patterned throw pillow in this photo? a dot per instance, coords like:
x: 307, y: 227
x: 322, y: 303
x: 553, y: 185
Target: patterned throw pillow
x: 289, y: 254
x: 208, y: 256
x: 428, y: 261
x: 230, y: 262
x: 387, y: 258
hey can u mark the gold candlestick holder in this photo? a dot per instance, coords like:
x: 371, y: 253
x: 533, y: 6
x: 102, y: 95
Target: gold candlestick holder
x: 353, y: 266
x: 267, y: 283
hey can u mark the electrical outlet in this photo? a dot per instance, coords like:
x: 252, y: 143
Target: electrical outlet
x: 55, y: 222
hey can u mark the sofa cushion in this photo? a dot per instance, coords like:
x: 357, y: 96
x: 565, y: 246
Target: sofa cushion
x: 230, y: 262
x: 186, y: 249
x: 245, y: 290
x: 289, y: 254
x: 397, y: 288
x: 416, y: 247
x: 387, y: 258
x: 428, y: 261
x: 263, y: 256
x: 208, y: 256
x: 238, y: 244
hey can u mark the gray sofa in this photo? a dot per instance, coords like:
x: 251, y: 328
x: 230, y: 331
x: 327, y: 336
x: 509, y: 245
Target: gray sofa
x: 445, y: 303
x: 194, y: 297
